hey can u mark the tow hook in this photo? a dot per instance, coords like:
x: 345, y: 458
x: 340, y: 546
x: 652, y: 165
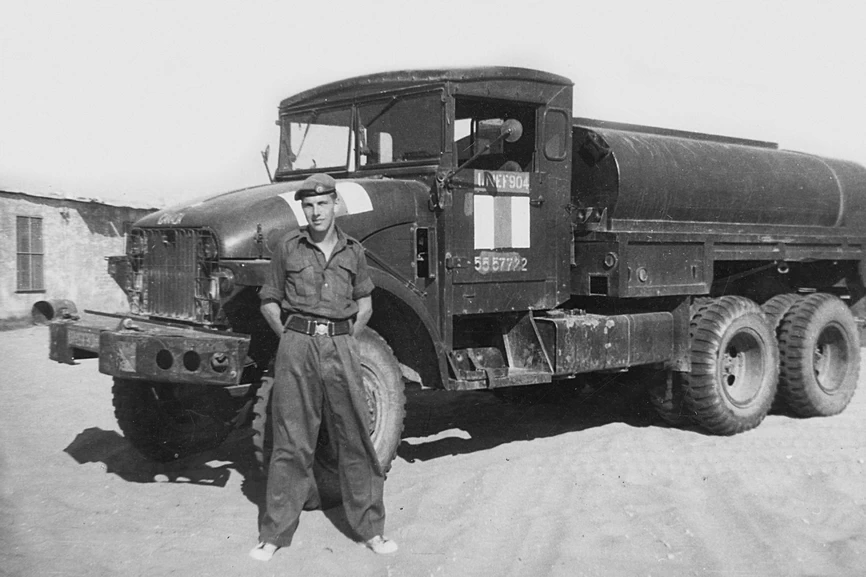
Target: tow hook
x: 219, y: 362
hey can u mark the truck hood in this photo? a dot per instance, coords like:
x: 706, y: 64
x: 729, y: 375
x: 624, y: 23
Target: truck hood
x: 268, y: 212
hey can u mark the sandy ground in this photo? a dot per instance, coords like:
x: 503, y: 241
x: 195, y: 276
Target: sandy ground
x: 571, y: 485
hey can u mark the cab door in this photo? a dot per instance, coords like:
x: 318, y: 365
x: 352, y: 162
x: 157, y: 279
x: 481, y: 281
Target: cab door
x: 500, y: 255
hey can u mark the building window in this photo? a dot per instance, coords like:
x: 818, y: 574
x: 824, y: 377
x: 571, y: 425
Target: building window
x: 30, y: 255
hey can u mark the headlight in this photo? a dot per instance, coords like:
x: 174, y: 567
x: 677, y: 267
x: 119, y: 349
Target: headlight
x: 213, y: 292
x: 227, y: 281
x: 209, y: 248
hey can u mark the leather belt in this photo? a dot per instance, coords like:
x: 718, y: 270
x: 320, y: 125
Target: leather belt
x: 318, y: 327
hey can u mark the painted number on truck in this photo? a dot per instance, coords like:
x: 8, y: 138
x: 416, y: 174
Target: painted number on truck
x: 171, y: 218
x: 498, y: 262
x: 498, y: 181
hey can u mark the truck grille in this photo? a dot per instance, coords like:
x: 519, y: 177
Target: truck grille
x: 172, y: 274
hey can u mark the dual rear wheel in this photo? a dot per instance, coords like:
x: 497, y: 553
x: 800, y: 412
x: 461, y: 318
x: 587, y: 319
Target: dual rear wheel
x: 802, y: 352
x: 820, y: 356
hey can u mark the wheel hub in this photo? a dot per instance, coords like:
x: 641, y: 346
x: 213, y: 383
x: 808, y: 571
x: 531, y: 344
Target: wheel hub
x: 829, y: 359
x: 742, y: 367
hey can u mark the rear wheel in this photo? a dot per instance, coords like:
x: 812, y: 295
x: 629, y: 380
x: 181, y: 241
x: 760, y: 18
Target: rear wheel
x: 775, y: 309
x: 166, y: 421
x: 734, y: 372
x: 820, y: 356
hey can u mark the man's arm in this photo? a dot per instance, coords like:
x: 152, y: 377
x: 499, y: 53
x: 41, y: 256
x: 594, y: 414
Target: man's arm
x: 272, y: 291
x: 361, y: 291
x: 271, y: 311
x: 365, y: 311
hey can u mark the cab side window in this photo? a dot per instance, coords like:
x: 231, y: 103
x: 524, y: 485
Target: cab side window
x: 477, y: 126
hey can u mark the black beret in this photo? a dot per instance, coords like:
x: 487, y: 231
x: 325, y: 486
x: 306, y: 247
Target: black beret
x: 316, y: 185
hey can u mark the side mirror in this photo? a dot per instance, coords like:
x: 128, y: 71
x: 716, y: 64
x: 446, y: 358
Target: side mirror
x: 511, y: 130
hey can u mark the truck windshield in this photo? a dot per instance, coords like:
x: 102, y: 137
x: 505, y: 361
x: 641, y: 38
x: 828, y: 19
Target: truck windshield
x: 315, y: 140
x: 400, y: 129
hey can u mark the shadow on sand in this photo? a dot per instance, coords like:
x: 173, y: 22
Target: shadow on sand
x: 438, y: 423
x: 210, y: 468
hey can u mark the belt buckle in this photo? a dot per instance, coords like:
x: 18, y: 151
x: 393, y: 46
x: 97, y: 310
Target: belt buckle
x: 321, y: 330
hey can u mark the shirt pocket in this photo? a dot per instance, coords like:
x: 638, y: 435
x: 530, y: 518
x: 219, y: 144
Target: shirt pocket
x: 343, y: 278
x: 300, y: 277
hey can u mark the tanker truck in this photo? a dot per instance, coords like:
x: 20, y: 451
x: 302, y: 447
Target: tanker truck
x: 512, y: 245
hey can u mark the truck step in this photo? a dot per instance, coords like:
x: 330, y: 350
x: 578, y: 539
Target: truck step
x: 500, y: 377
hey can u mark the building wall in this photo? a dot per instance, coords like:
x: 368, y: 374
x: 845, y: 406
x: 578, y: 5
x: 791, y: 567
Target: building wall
x: 77, y: 236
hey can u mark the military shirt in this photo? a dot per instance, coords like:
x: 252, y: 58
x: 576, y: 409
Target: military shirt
x: 303, y: 282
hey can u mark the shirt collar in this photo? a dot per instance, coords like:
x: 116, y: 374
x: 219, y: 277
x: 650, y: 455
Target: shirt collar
x: 341, y: 238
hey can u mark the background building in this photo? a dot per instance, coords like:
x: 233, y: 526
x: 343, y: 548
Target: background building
x: 53, y: 249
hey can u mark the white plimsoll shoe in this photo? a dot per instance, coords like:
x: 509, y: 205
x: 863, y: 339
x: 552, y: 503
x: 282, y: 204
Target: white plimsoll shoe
x: 263, y: 551
x: 382, y: 545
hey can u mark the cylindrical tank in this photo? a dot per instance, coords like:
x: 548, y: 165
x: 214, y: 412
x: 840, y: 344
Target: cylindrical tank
x: 643, y: 174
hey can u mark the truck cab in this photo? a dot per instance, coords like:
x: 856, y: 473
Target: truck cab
x: 490, y: 232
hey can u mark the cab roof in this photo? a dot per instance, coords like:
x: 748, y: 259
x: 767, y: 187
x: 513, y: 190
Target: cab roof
x: 403, y: 79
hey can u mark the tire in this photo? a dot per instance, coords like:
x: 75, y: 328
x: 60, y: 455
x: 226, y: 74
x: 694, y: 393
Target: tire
x: 820, y: 356
x: 735, y: 366
x: 775, y: 308
x: 386, y: 397
x: 386, y: 400
x: 261, y: 424
x: 165, y: 421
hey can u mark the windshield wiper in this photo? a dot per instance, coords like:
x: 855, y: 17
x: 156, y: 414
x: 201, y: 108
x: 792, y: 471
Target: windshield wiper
x: 385, y: 109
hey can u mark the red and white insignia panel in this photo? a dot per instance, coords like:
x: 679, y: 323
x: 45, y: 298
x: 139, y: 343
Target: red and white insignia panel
x: 501, y: 221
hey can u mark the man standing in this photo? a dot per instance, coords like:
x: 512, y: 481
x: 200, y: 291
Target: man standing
x: 320, y: 277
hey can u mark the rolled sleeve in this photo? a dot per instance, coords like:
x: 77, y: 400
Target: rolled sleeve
x: 363, y: 286
x: 274, y: 288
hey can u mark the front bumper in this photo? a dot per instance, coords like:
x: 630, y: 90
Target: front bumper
x: 146, y: 350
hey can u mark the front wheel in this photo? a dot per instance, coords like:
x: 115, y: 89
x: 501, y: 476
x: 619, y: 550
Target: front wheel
x: 735, y: 363
x: 820, y: 356
x: 386, y: 396
x: 167, y: 421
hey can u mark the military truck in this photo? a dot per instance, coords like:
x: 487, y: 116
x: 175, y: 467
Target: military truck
x: 511, y: 245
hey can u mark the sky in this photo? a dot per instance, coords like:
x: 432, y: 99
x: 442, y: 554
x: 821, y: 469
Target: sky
x: 157, y: 103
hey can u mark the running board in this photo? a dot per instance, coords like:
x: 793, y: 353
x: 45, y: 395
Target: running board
x: 496, y: 378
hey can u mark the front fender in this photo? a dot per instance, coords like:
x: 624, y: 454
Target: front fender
x: 401, y: 316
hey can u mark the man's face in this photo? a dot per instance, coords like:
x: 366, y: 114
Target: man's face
x: 319, y: 211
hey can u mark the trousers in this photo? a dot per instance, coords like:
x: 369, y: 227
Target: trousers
x: 315, y: 374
